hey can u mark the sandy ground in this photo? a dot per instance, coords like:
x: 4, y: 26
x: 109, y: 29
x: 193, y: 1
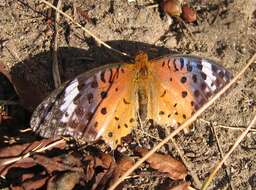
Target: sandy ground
x: 224, y: 31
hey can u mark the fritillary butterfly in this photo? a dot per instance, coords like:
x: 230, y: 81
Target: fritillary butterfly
x: 106, y: 102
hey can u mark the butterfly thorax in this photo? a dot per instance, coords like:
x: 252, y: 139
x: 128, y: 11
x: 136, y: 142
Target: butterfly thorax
x: 143, y: 80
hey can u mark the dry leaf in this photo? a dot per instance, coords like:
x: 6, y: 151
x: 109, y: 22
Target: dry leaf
x: 107, y: 163
x: 18, y: 150
x: 64, y: 181
x: 165, y: 163
x: 123, y: 165
x: 58, y: 163
x: 56, y: 169
x: 34, y: 184
x: 183, y: 186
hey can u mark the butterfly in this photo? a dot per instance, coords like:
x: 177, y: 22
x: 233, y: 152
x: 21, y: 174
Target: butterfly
x: 108, y: 101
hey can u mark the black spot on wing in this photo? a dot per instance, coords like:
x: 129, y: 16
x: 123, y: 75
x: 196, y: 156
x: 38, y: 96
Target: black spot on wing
x: 175, y: 65
x: 102, y: 76
x: 183, y: 79
x: 184, y: 94
x: 103, y: 94
x: 189, y: 67
x: 181, y: 63
x: 163, y: 94
x: 103, y: 111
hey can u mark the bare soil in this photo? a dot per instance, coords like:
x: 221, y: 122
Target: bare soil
x: 224, y: 31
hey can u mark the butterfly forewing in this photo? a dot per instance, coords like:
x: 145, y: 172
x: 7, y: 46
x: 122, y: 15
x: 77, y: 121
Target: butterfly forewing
x: 94, y: 104
x: 184, y: 84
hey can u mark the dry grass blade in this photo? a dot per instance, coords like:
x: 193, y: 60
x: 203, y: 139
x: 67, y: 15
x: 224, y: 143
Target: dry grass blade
x: 222, y: 155
x: 37, y: 149
x: 55, y: 64
x: 184, y: 125
x: 84, y: 29
x: 219, y: 165
x: 192, y: 173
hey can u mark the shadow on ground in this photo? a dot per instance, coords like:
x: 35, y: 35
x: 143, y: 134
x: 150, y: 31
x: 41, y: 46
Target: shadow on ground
x: 33, y: 80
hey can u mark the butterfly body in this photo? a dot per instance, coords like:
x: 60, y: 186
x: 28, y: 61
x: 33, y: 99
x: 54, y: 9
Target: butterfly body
x: 106, y: 102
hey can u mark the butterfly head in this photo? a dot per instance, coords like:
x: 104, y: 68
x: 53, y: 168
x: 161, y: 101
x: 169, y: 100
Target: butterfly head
x: 142, y: 64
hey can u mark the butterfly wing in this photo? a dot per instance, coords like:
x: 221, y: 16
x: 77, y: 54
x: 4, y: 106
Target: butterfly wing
x: 181, y: 85
x: 99, y: 103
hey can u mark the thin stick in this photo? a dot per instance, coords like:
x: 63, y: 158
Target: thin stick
x: 36, y: 149
x: 234, y: 128
x: 222, y: 156
x: 194, y: 176
x: 8, y: 102
x: 183, y: 126
x: 55, y: 64
x: 241, y: 128
x: 219, y: 165
x: 84, y: 29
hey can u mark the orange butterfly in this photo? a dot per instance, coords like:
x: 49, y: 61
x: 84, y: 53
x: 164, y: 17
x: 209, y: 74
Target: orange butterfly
x: 106, y: 102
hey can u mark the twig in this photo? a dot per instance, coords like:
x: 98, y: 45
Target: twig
x: 234, y: 128
x: 84, y: 29
x: 219, y: 165
x: 8, y: 102
x: 221, y: 155
x: 241, y: 128
x: 25, y: 130
x: 36, y: 149
x: 55, y: 64
x: 184, y: 125
x: 194, y: 176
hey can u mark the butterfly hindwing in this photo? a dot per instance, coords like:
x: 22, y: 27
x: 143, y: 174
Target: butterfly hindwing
x: 94, y: 104
x: 184, y: 84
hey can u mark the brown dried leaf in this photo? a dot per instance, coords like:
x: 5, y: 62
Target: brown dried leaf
x: 18, y: 150
x: 54, y: 170
x: 123, y: 165
x: 57, y: 163
x: 13, y: 152
x: 165, y: 163
x: 64, y: 181
x: 24, y: 163
x: 183, y: 186
x: 102, y: 178
x: 57, y: 169
x: 90, y: 168
x: 34, y: 184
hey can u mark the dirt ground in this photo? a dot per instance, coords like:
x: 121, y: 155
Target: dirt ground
x: 224, y: 31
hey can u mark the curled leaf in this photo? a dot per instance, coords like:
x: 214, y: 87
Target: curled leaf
x: 165, y: 163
